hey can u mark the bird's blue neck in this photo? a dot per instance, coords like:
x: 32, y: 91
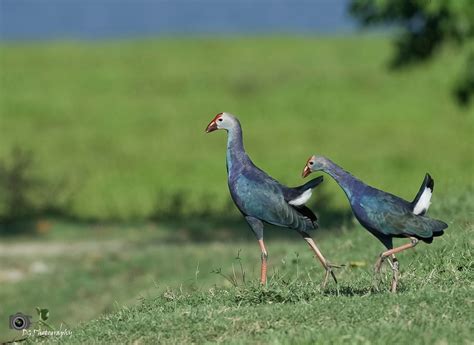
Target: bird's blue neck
x: 236, y: 155
x: 348, y: 182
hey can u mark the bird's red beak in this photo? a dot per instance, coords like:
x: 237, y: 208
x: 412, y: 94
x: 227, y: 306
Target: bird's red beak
x: 211, y: 127
x: 306, y: 171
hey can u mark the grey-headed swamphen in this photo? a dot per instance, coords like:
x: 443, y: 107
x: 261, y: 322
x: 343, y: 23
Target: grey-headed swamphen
x: 385, y: 215
x: 260, y: 198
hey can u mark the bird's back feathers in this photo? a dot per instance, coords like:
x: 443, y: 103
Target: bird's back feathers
x: 393, y: 216
x: 258, y: 195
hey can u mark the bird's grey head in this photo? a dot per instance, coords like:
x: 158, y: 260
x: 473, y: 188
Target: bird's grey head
x: 315, y: 163
x: 222, y: 121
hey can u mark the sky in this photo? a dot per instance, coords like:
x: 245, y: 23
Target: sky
x: 112, y: 19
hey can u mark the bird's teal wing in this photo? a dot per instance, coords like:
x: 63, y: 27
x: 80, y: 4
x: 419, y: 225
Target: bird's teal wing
x: 389, y: 215
x: 266, y: 202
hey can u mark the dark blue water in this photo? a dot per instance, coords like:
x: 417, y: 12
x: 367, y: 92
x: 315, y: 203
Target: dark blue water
x: 102, y: 19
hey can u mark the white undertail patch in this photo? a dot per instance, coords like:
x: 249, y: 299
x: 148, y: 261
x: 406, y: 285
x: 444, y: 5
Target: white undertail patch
x: 424, y: 202
x: 301, y: 200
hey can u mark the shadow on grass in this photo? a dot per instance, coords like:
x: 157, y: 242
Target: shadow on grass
x: 212, y: 228
x: 197, y: 229
x: 206, y: 225
x: 349, y: 291
x: 177, y: 226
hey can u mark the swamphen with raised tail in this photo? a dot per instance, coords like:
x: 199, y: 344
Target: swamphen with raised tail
x: 261, y: 198
x: 383, y: 214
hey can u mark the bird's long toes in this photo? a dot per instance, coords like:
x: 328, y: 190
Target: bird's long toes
x: 376, y: 281
x: 333, y: 276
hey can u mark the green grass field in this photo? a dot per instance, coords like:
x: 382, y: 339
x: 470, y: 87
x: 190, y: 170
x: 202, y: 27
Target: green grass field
x: 117, y: 133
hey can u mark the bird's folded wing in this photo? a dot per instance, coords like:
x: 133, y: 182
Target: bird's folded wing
x: 265, y: 201
x: 392, y: 217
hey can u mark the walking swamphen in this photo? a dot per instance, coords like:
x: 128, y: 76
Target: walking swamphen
x: 261, y: 198
x: 385, y: 215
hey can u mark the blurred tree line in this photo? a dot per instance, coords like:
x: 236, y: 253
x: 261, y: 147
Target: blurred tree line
x: 25, y: 196
x: 426, y: 25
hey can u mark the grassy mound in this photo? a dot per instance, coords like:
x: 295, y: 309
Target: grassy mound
x: 192, y: 304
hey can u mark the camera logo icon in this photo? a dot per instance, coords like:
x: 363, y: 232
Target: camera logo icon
x: 20, y: 321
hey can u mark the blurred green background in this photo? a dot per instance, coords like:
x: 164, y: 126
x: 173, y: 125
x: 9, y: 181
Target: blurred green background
x: 111, y: 192
x: 116, y: 130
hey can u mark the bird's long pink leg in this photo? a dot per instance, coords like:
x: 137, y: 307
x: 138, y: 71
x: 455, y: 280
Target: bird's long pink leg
x: 395, y: 269
x: 321, y: 259
x: 263, y: 270
x: 316, y: 250
x: 395, y: 265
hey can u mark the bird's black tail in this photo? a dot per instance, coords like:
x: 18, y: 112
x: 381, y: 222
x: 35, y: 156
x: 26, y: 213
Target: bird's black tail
x: 422, y: 200
x: 310, y: 184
